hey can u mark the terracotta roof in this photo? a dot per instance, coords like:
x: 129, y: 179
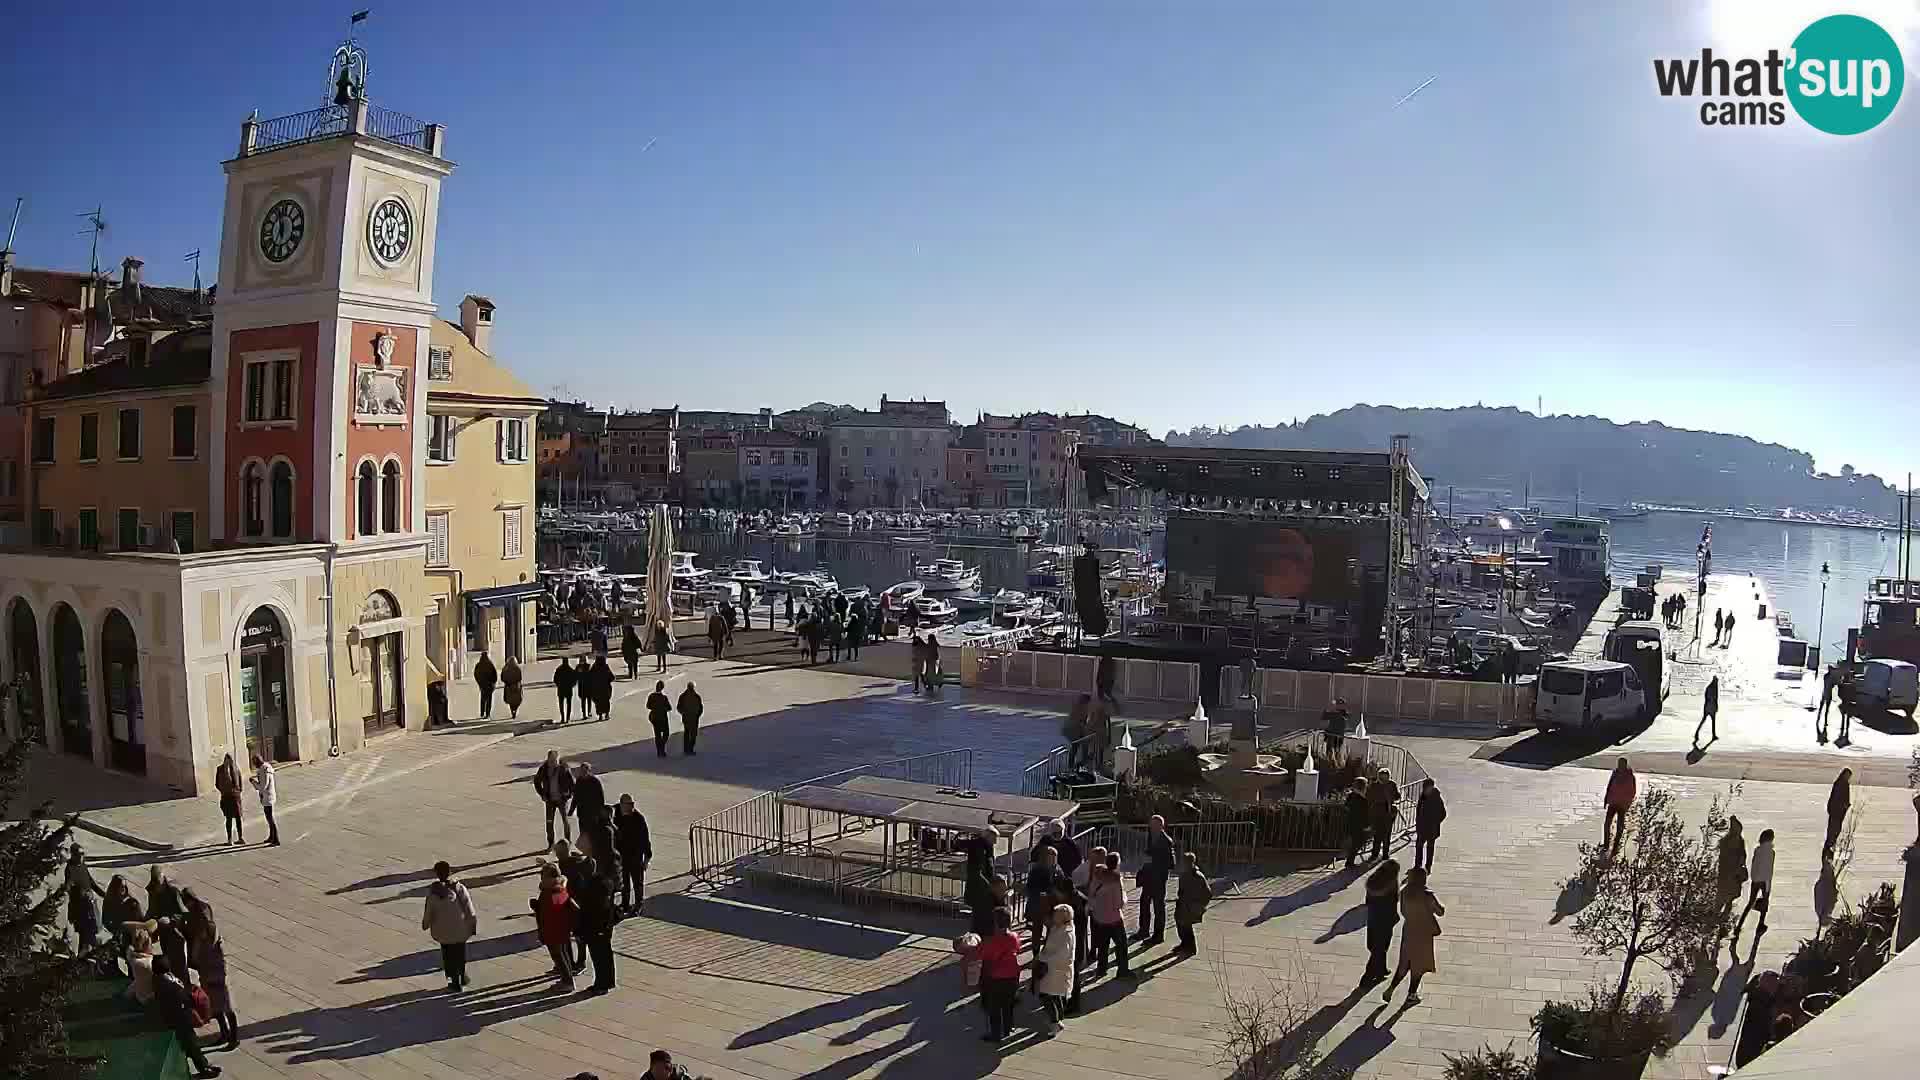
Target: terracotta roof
x: 158, y: 303
x: 885, y: 420
x: 182, y: 359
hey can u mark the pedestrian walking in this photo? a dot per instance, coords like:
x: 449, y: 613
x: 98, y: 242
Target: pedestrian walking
x: 565, y: 678
x: 1730, y: 869
x: 437, y: 715
x: 1383, y: 812
x: 595, y: 919
x: 1719, y: 625
x: 1759, y: 889
x: 83, y: 896
x: 1709, y: 714
x: 919, y: 661
x: 630, y: 648
x: 1190, y: 903
x: 485, y: 676
x: 1826, y: 892
x: 999, y: 958
x: 1428, y: 813
x: 690, y: 707
x: 1420, y: 910
x: 635, y: 846
x: 266, y: 785
x: 174, y: 1003
x: 1154, y: 873
x: 1727, y: 642
x: 553, y: 912
x: 1622, y: 787
x: 553, y: 782
x: 226, y: 781
x: 789, y: 607
x: 1383, y: 911
x: 717, y: 633
x: 510, y: 692
x: 1839, y: 801
x: 450, y: 918
x: 658, y: 708
x: 602, y: 688
x: 208, y: 955
x: 597, y: 638
x: 1356, y: 819
x: 1334, y: 724
x: 1827, y: 684
x: 1849, y: 706
x: 589, y: 796
x: 1106, y: 900
x: 662, y: 644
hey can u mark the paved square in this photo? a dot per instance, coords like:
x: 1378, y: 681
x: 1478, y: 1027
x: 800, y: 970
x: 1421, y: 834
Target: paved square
x: 332, y: 975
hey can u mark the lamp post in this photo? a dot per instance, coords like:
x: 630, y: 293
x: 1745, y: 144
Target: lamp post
x: 1820, y: 635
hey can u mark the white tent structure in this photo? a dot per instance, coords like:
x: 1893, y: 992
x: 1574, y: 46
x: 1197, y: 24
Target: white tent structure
x: 659, y: 573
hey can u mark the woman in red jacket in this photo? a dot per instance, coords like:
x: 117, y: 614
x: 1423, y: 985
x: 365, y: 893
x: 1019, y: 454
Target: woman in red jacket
x: 553, y: 914
x: 1000, y: 976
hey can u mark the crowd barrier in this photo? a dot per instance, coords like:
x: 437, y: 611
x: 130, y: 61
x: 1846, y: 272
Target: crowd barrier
x: 995, y: 668
x: 1409, y: 699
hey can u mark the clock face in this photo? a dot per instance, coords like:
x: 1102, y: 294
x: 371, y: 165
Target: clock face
x: 281, y: 230
x: 390, y: 230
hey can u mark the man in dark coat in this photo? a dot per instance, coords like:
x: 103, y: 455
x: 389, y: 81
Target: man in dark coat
x: 602, y: 677
x: 635, y: 844
x: 564, y: 680
x: 597, y: 637
x: 658, y: 708
x: 1154, y: 875
x: 630, y: 648
x: 690, y: 707
x: 553, y: 782
x: 1383, y: 812
x: 485, y: 676
x: 717, y: 634
x: 1428, y: 813
x: 1043, y: 880
x: 589, y: 796
x: 1334, y: 728
x: 596, y: 924
x: 1356, y: 820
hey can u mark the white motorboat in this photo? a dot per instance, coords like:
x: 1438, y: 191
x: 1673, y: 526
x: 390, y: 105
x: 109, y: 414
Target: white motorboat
x: 913, y: 536
x: 717, y: 590
x: 932, y: 609
x: 898, y: 596
x: 843, y: 520
x: 856, y: 593
x: 685, y: 574
x: 947, y: 575
x: 748, y: 572
x: 790, y: 530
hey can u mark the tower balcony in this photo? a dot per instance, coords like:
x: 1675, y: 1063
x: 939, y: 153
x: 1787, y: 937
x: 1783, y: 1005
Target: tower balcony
x: 340, y: 121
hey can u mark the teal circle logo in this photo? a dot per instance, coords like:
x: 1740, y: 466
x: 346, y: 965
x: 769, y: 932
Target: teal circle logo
x: 1847, y: 75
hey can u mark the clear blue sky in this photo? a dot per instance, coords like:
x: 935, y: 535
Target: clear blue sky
x: 1202, y: 212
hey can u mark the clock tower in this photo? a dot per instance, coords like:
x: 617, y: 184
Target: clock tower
x: 320, y: 332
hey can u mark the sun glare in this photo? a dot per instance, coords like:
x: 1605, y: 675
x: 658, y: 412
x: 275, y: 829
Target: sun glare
x: 1751, y: 27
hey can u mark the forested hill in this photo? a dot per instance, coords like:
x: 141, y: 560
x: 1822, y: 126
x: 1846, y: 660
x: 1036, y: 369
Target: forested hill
x: 1605, y: 461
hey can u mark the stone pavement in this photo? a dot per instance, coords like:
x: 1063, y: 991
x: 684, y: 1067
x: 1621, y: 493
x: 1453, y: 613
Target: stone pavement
x: 333, y: 977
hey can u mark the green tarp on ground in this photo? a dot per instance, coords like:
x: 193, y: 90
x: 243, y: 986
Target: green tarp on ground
x: 102, y: 1022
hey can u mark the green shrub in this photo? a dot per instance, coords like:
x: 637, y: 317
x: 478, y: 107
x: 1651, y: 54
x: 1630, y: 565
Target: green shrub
x: 1596, y: 1029
x: 1278, y: 826
x: 1487, y: 1063
x: 1174, y: 767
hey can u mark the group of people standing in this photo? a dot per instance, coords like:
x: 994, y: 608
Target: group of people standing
x: 1673, y: 609
x: 833, y: 623
x: 1075, y: 916
x: 1373, y: 813
x: 593, y: 682
x: 174, y: 958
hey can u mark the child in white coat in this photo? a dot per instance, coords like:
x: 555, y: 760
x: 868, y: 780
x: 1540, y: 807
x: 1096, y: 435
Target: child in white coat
x: 1054, y: 966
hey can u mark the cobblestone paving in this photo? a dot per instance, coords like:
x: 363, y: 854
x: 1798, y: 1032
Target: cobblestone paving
x: 333, y: 977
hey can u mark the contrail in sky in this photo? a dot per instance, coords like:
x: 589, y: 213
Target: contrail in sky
x: 1414, y: 91
x: 656, y: 138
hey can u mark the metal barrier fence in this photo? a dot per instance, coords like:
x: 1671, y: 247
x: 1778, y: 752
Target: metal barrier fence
x: 1217, y: 843
x: 729, y: 844
x: 1000, y: 668
x: 1402, y: 767
x: 1406, y: 698
x: 1038, y: 778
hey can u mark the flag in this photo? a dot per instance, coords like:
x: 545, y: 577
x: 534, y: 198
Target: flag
x: 359, y: 16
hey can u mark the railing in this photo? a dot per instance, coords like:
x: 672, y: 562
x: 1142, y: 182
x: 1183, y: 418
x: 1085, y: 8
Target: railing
x: 999, y: 668
x: 1407, y: 698
x: 1217, y: 843
x: 1037, y: 779
x: 322, y: 123
x: 396, y: 127
x: 730, y: 843
x: 1401, y: 766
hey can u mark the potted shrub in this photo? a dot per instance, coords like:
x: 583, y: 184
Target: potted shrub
x: 1599, y: 1040
x: 1654, y: 901
x: 1487, y: 1063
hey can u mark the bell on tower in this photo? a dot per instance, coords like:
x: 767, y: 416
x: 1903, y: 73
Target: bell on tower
x: 347, y: 74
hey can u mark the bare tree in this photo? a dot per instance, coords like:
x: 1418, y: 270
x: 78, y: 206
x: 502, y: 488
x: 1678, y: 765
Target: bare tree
x: 1271, y: 1028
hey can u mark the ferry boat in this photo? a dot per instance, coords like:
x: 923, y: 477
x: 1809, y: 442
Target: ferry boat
x: 947, y: 575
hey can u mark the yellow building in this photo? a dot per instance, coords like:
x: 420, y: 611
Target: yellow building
x: 479, y: 499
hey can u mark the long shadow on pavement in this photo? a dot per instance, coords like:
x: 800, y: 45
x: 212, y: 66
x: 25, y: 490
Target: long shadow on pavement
x: 1322, y: 889
x: 402, y: 1020
x: 1550, y: 750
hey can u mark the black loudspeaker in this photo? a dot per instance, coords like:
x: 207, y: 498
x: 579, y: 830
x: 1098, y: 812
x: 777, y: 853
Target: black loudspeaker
x: 1089, y: 599
x: 1096, y: 485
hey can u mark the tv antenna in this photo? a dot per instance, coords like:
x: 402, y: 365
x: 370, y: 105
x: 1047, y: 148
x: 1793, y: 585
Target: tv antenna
x: 194, y: 258
x: 96, y: 224
x: 11, y: 229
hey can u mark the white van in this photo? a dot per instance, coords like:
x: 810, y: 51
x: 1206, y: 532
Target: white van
x: 1583, y: 694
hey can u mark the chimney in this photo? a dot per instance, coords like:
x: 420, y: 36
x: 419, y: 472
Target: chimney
x: 476, y: 321
x: 130, y: 278
x: 766, y: 419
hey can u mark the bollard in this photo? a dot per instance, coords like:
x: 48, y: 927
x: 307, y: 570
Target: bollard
x: 1359, y: 741
x: 1199, y: 732
x: 1306, y: 782
x: 1125, y: 757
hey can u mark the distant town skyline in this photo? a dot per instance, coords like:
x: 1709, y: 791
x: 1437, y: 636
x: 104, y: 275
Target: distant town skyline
x: 1175, y: 218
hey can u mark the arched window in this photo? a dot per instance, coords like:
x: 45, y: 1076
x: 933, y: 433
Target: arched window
x: 367, y: 499
x: 390, y: 498
x: 252, y: 513
x: 282, y: 499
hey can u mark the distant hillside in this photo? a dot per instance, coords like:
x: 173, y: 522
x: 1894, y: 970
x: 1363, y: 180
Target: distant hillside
x: 1605, y: 461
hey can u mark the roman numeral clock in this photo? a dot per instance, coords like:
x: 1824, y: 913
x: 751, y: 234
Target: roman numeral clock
x: 390, y: 231
x: 281, y: 230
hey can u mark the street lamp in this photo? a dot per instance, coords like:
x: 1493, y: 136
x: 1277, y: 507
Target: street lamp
x: 1820, y: 635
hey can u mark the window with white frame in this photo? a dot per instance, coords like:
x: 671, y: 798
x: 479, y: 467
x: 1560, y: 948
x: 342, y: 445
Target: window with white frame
x: 439, y: 364
x: 510, y: 440
x: 437, y: 526
x: 440, y: 443
x: 510, y: 533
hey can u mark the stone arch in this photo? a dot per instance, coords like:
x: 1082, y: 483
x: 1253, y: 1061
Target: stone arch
x: 72, y: 703
x: 26, y: 711
x: 119, y: 651
x: 264, y: 696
